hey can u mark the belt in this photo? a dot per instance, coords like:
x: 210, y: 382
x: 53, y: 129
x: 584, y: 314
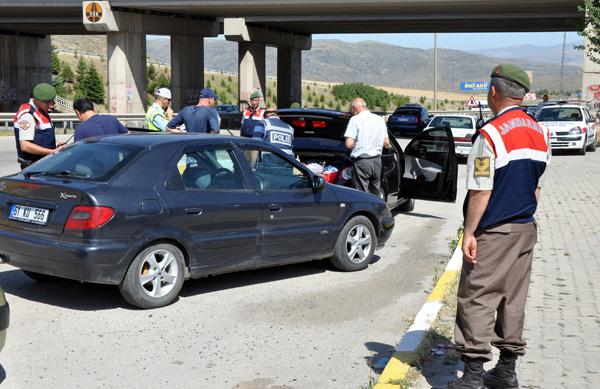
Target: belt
x: 361, y: 158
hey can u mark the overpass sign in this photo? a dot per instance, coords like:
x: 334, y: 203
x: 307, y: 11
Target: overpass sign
x: 474, y: 85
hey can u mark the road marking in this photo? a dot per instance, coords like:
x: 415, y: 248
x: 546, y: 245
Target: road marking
x: 399, y: 365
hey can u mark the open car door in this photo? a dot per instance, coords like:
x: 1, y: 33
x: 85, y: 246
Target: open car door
x: 430, y: 168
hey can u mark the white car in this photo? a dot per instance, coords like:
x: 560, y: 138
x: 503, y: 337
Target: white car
x: 462, y: 127
x: 571, y: 127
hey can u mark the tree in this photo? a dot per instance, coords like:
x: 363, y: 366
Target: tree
x: 94, y: 85
x: 55, y: 63
x: 589, y: 29
x: 151, y: 73
x: 67, y: 73
x: 59, y: 83
x: 374, y: 97
x: 80, y: 71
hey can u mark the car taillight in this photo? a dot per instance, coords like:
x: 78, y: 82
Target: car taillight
x: 319, y: 124
x: 462, y: 139
x: 299, y: 123
x: 417, y: 120
x: 87, y: 217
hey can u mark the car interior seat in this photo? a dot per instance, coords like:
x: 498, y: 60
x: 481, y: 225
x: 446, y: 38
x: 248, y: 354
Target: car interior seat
x: 90, y: 168
x: 446, y: 124
x: 195, y: 177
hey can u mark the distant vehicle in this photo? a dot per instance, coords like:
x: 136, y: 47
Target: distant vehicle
x: 227, y: 108
x: 146, y: 212
x: 484, y: 106
x: 571, y: 127
x: 4, y: 318
x: 426, y: 169
x: 462, y: 127
x: 410, y: 118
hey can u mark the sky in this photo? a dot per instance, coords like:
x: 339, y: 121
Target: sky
x: 458, y: 41
x: 461, y: 41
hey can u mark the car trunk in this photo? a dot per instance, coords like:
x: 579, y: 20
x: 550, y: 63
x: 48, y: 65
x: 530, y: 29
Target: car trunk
x: 37, y: 205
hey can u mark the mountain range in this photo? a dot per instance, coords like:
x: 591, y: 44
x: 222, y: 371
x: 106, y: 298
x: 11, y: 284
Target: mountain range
x: 376, y: 63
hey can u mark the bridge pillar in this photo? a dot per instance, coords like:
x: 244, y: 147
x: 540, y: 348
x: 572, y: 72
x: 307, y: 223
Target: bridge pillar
x: 126, y: 72
x: 25, y: 62
x: 251, y: 68
x: 591, y: 81
x: 289, y: 76
x: 187, y: 69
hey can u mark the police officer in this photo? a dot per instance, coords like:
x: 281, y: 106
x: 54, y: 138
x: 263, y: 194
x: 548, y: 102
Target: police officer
x: 505, y: 171
x: 275, y: 131
x: 159, y: 113
x: 34, y: 130
x: 252, y: 116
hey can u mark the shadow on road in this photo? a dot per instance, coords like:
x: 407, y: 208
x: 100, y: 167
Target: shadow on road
x: 378, y: 356
x: 396, y: 212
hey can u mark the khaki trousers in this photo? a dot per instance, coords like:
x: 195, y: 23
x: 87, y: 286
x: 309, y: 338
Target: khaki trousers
x: 492, y: 293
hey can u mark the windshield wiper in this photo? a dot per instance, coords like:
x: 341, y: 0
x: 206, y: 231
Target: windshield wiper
x: 48, y: 173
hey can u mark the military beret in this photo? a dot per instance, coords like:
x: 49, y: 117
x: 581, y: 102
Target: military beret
x: 44, y: 92
x: 254, y: 95
x: 512, y: 73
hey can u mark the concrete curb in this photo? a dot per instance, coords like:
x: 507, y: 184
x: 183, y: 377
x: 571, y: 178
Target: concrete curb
x: 398, y: 366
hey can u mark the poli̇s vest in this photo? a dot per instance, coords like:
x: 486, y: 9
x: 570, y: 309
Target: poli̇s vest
x: 44, y: 131
x: 520, y: 147
x: 152, y: 112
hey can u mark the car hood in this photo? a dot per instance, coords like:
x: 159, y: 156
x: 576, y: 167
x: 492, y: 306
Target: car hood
x: 562, y: 126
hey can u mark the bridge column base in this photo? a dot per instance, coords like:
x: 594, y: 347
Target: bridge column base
x: 126, y: 72
x: 187, y: 70
x: 289, y: 76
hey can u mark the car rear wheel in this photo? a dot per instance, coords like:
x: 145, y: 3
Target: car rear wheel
x: 407, y: 206
x: 39, y: 277
x: 155, y: 277
x: 355, y: 245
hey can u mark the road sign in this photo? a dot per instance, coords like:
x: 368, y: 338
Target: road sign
x: 530, y: 96
x: 472, y: 103
x: 474, y: 85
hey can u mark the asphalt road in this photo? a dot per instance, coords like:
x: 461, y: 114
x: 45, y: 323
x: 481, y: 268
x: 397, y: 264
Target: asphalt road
x: 300, y: 326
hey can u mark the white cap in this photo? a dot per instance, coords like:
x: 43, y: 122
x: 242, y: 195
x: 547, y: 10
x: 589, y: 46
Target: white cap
x: 163, y: 92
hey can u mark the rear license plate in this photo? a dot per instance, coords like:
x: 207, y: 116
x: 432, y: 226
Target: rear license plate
x: 27, y: 214
x: 404, y: 119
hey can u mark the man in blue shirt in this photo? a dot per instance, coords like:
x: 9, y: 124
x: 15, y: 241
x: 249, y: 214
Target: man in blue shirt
x: 93, y: 123
x: 202, y: 118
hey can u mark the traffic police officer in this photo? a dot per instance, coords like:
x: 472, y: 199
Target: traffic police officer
x: 505, y: 171
x: 275, y: 131
x: 253, y: 115
x: 34, y: 130
x: 159, y: 113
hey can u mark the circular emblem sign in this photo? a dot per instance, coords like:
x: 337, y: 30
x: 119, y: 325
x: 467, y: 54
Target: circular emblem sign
x: 93, y: 12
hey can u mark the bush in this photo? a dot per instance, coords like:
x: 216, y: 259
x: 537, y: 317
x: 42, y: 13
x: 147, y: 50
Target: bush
x: 373, y: 96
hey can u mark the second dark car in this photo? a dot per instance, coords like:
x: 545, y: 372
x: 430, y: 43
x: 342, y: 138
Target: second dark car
x: 408, y: 119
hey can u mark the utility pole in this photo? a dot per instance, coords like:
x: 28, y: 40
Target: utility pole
x: 435, y: 59
x: 562, y: 64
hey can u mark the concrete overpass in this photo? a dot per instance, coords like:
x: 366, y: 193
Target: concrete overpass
x: 287, y: 25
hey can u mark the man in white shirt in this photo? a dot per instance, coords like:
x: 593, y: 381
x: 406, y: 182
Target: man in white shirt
x: 366, y: 135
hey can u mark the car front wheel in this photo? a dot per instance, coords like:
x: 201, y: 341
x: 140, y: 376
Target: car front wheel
x: 355, y: 245
x: 582, y: 150
x: 592, y: 146
x: 155, y: 277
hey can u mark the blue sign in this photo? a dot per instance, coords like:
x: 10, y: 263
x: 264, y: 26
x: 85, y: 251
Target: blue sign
x: 474, y: 85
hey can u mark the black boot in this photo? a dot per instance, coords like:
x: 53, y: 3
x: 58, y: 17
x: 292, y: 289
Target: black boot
x: 503, y: 376
x: 472, y: 377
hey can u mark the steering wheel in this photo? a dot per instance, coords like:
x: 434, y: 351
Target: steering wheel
x: 221, y: 172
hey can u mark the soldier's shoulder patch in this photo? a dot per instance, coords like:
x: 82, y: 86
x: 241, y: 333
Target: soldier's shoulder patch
x: 24, y: 124
x: 482, y: 167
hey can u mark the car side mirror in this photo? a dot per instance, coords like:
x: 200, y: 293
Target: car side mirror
x: 318, y: 183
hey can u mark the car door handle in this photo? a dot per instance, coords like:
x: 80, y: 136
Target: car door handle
x: 275, y: 208
x: 193, y: 211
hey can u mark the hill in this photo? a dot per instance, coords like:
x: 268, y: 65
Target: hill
x: 550, y: 54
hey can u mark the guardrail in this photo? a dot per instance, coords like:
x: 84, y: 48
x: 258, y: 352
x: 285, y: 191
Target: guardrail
x: 68, y: 121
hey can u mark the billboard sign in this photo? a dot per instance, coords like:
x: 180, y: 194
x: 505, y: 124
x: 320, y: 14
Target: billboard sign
x: 474, y: 85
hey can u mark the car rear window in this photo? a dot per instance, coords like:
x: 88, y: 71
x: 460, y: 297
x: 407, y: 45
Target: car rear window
x: 94, y: 161
x: 404, y: 111
x: 559, y: 114
x: 452, y: 122
x: 317, y: 126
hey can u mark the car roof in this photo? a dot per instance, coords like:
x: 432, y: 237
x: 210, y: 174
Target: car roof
x: 458, y: 115
x: 566, y: 105
x: 150, y: 140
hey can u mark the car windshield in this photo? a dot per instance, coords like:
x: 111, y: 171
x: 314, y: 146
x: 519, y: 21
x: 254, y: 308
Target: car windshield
x: 559, y: 114
x: 452, y: 122
x: 94, y: 161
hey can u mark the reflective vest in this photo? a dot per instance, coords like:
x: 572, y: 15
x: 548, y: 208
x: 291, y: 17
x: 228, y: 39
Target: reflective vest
x: 44, y: 131
x: 251, y: 119
x: 520, y: 147
x: 154, y: 111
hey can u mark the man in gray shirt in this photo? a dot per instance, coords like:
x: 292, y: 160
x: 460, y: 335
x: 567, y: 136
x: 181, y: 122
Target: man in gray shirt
x: 366, y: 135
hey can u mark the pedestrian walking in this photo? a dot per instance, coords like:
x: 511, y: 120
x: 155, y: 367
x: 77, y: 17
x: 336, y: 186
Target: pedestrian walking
x: 252, y: 116
x: 94, y: 124
x: 366, y: 135
x: 34, y: 130
x: 202, y: 118
x: 505, y: 171
x: 159, y: 113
